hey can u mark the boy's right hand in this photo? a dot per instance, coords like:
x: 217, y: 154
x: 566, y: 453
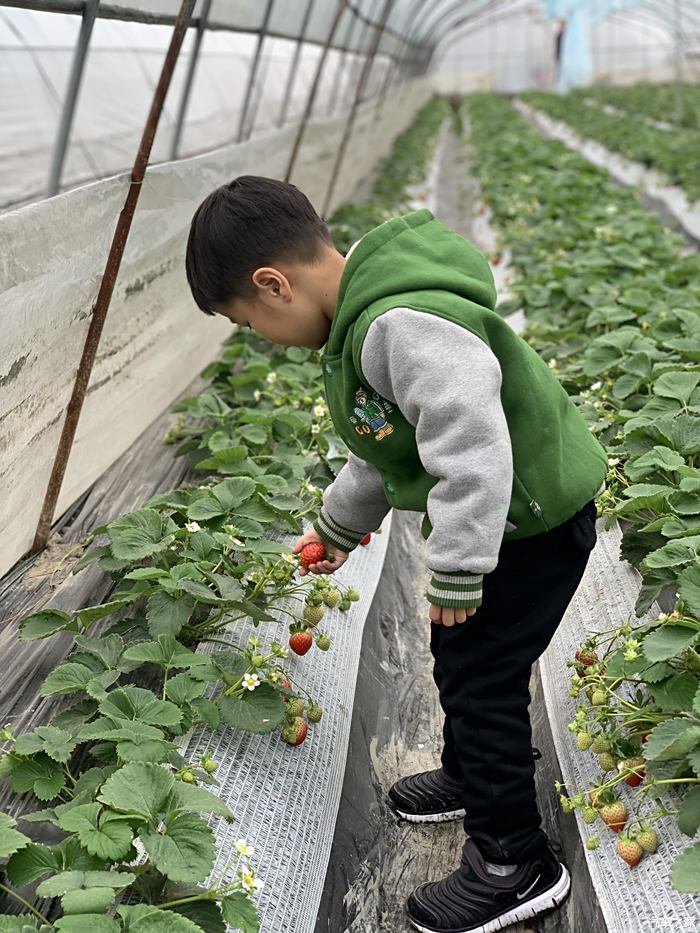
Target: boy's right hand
x: 321, y: 566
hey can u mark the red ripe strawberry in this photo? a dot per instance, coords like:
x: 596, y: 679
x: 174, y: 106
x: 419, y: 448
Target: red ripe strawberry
x: 300, y: 642
x: 637, y: 766
x: 312, y: 553
x: 614, y: 815
x: 294, y: 732
x: 586, y: 656
x: 285, y: 683
x: 629, y: 850
x: 367, y: 538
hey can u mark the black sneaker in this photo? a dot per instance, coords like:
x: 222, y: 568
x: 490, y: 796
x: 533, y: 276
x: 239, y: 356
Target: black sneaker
x: 471, y: 900
x: 428, y: 797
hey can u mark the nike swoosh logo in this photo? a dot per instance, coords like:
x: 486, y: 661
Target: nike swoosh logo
x: 525, y: 893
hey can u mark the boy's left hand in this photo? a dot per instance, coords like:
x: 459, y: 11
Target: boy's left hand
x: 442, y: 615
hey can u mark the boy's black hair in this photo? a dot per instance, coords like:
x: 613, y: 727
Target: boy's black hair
x: 250, y: 222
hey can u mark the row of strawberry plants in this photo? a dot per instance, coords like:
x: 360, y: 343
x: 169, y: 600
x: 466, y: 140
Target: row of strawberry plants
x: 674, y: 152
x: 613, y: 305
x: 671, y: 103
x: 186, y: 565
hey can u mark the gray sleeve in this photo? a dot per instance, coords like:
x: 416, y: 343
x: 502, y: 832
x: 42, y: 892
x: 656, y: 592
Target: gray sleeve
x: 446, y: 381
x: 353, y: 504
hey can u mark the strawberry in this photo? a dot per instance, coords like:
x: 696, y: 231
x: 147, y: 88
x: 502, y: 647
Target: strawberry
x: 601, y: 743
x: 586, y: 656
x: 592, y: 842
x: 285, y: 683
x: 607, y: 761
x: 595, y: 797
x: 614, y: 815
x: 352, y: 595
x: 636, y: 766
x: 629, y: 850
x: 331, y: 598
x: 598, y: 697
x: 590, y: 814
x: 323, y: 641
x: 367, y: 538
x: 314, y: 712
x: 648, y: 840
x: 313, y: 614
x: 312, y: 552
x: 295, y: 707
x: 300, y: 641
x: 584, y: 740
x: 295, y: 731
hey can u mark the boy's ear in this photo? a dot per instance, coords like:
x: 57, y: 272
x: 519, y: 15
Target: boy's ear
x: 272, y: 283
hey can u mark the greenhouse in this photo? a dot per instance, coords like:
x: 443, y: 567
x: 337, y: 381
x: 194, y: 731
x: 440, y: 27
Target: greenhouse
x: 350, y: 459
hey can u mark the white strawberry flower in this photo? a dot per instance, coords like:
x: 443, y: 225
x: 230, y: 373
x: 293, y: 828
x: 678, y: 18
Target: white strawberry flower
x: 257, y: 394
x: 319, y: 401
x: 552, y: 364
x: 271, y: 377
x: 595, y: 386
x: 193, y: 526
x: 250, y: 882
x: 613, y: 461
x: 315, y: 428
x: 289, y: 557
x: 243, y: 847
x: 319, y: 411
x: 296, y: 403
x: 251, y: 681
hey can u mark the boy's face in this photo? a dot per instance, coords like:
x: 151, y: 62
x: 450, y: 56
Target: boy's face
x: 293, y: 303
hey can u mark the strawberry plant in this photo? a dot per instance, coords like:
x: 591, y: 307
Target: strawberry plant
x: 612, y: 301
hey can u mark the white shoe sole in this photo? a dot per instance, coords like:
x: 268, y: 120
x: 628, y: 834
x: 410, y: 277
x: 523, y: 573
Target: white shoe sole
x: 445, y: 817
x: 545, y: 901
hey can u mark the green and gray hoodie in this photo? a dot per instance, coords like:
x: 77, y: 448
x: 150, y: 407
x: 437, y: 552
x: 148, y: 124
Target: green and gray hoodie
x: 445, y: 409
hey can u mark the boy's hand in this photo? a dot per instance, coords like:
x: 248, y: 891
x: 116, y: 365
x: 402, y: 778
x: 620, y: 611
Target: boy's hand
x: 321, y: 566
x: 441, y: 615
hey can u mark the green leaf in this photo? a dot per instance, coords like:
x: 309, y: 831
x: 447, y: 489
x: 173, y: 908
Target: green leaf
x: 45, y: 623
x: 204, y: 508
x: 87, y: 901
x: 676, y: 552
x: 675, y: 693
x: 11, y: 840
x: 678, y: 385
x: 67, y: 881
x: 93, y: 613
x: 667, y: 641
x: 140, y: 788
x: 14, y: 924
x: 208, y: 711
x: 140, y: 534
x: 166, y: 651
x: 198, y: 800
x: 672, y: 739
x: 67, y: 678
x: 136, y: 703
x: 39, y: 774
x: 685, y: 871
x: 689, y: 812
x: 143, y: 918
x: 33, y: 862
x: 108, y: 649
x: 658, y: 458
x: 184, y: 851
x: 87, y: 923
x: 182, y: 688
x: 206, y: 914
x: 240, y: 913
x: 167, y: 613
x: 260, y: 710
x: 108, y: 837
x: 689, y: 588
x: 57, y: 743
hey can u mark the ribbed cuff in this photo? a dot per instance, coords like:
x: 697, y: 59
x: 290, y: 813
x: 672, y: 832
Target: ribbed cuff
x: 335, y: 534
x: 456, y: 590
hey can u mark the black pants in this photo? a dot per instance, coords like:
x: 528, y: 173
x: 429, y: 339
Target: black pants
x: 482, y: 671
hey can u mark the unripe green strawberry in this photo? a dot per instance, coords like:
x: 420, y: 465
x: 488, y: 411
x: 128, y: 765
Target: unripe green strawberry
x: 592, y: 842
x: 629, y: 850
x: 294, y: 732
x: 584, y: 740
x: 648, y: 840
x: 614, y: 815
x: 607, y: 761
x: 323, y: 641
x: 598, y: 698
x: 189, y: 777
x: 257, y: 660
x: 314, y: 712
x: 331, y: 598
x: 209, y: 764
x: 352, y: 595
x: 601, y: 743
x: 313, y: 614
x: 295, y: 707
x: 345, y: 604
x: 590, y: 814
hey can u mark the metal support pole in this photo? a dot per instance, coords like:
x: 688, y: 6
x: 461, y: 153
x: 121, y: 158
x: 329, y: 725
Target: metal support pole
x: 341, y: 64
x: 109, y: 278
x: 314, y: 88
x: 678, y: 57
x: 61, y: 145
x: 388, y: 4
x: 295, y: 64
x: 252, y: 75
x: 396, y: 63
x: 189, y: 78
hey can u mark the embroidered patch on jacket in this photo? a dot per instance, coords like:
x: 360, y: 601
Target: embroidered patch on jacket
x: 370, y: 414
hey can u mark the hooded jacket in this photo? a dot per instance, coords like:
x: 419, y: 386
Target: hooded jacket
x: 445, y: 409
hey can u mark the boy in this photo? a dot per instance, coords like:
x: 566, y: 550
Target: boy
x: 446, y: 411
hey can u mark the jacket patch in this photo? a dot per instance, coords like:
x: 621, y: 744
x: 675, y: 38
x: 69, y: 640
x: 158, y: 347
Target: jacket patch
x: 370, y: 414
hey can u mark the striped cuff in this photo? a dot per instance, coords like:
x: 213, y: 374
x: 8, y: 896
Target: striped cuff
x: 458, y: 590
x: 335, y: 534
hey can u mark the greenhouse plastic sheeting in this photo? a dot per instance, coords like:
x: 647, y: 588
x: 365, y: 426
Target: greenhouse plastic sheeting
x: 155, y: 340
x: 285, y: 799
x: 641, y: 900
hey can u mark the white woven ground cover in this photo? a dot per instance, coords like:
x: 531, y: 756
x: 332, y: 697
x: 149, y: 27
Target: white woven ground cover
x: 641, y: 900
x: 286, y: 798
